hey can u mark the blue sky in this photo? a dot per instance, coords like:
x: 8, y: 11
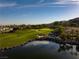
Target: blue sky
x: 37, y: 11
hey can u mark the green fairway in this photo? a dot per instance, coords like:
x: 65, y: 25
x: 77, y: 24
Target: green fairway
x: 8, y: 40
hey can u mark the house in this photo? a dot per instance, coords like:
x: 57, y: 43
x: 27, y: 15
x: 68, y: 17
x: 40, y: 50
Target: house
x: 5, y: 29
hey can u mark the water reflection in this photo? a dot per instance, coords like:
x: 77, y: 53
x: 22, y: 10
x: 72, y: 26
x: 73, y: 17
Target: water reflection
x: 3, y: 54
x: 77, y: 48
x: 42, y: 50
x: 64, y: 47
x: 72, y: 49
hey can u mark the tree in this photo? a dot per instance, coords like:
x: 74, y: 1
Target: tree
x: 58, y: 31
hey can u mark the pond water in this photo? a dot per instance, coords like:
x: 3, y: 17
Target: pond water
x: 43, y: 50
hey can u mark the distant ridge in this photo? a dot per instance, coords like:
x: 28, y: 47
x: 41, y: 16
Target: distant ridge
x: 75, y: 20
x: 72, y: 22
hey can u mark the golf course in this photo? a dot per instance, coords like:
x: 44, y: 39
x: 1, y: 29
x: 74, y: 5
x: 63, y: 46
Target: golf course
x: 9, y: 40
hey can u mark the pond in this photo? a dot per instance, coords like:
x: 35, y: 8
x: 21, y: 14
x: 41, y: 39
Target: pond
x: 42, y: 50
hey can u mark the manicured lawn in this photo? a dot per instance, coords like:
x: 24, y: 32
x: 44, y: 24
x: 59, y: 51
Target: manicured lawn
x: 8, y: 40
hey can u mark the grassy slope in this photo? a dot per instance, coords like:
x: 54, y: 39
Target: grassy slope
x: 9, y: 40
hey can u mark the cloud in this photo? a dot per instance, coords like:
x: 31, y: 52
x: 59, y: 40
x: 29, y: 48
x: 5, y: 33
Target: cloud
x: 60, y: 3
x: 7, y: 5
x: 71, y: 2
x: 41, y: 6
x: 42, y: 3
x: 76, y: 2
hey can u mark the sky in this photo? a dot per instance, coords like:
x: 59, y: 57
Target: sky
x: 37, y: 11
